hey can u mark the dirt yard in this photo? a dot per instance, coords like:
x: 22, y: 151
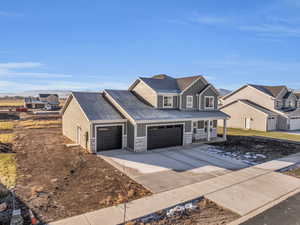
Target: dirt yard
x: 257, y: 149
x: 207, y: 213
x: 57, y: 182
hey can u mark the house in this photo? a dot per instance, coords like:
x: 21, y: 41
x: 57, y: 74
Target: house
x: 155, y: 112
x: 263, y: 108
x: 50, y: 101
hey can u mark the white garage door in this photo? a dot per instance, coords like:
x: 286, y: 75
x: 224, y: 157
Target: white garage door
x: 295, y: 123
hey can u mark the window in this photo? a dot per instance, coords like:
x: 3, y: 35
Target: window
x: 209, y: 102
x: 189, y: 101
x: 201, y: 124
x: 168, y: 101
x: 278, y: 104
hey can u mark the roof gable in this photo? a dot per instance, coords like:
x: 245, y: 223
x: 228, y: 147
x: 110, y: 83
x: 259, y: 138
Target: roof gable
x: 273, y: 91
x: 94, y: 106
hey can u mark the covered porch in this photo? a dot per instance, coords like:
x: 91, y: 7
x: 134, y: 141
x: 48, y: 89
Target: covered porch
x: 205, y: 131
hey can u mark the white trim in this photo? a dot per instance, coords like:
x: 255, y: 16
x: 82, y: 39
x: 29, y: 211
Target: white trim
x: 168, y: 94
x: 172, y: 102
x: 183, y: 119
x: 209, y: 108
x: 109, y: 125
x: 186, y: 101
x: 109, y: 121
x: 163, y: 124
x: 112, y: 100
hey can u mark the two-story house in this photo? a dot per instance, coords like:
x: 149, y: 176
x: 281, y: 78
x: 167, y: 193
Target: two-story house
x: 264, y: 108
x: 155, y: 112
x: 50, y: 101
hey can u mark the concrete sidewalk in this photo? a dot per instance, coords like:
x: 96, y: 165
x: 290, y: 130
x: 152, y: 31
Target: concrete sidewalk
x: 242, y: 192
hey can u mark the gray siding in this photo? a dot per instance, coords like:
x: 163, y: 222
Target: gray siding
x: 208, y: 92
x: 141, y: 128
x: 159, y: 101
x: 193, y: 90
x: 175, y: 102
x: 130, y: 135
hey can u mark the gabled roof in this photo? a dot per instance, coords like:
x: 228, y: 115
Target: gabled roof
x: 184, y: 82
x: 253, y: 105
x: 297, y: 94
x: 141, y: 112
x: 95, y: 106
x: 165, y: 84
x: 270, y: 90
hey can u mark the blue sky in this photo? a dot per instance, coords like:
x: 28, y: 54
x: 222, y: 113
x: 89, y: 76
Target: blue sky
x: 91, y: 45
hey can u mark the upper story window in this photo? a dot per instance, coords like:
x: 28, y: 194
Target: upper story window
x: 189, y: 101
x: 168, y: 101
x: 278, y: 104
x: 209, y: 102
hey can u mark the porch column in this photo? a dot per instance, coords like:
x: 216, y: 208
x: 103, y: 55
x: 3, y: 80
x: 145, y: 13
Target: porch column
x: 225, y: 129
x: 208, y: 131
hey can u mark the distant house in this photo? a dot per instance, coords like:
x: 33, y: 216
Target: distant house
x: 50, y: 101
x: 155, y: 112
x: 264, y: 108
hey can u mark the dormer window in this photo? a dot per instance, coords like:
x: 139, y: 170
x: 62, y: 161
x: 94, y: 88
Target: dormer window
x: 189, y: 101
x: 168, y: 101
x: 209, y: 102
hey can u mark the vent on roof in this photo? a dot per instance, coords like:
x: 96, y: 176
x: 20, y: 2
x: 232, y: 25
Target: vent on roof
x: 161, y: 76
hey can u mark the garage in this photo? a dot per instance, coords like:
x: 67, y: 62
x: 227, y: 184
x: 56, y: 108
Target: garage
x: 164, y: 136
x: 109, y: 137
x: 295, y: 123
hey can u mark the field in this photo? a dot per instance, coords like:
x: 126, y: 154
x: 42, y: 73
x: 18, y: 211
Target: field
x: 276, y: 135
x: 7, y: 170
x: 57, y: 182
x: 37, y: 124
x: 11, y: 102
x: 6, y: 125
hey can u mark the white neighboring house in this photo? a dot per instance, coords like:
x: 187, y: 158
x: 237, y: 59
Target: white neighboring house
x: 264, y: 108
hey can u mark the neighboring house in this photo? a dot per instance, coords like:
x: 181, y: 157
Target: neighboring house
x: 264, y: 108
x: 50, y: 101
x: 153, y: 113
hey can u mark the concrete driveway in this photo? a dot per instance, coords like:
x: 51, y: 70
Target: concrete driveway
x: 170, y: 168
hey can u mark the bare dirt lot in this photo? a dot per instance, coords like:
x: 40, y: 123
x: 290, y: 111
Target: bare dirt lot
x: 57, y: 182
x: 257, y: 149
x: 207, y: 213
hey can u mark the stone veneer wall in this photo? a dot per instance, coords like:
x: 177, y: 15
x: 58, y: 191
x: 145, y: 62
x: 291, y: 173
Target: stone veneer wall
x: 140, y: 144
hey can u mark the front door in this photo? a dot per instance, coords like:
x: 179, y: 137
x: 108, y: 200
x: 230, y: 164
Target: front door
x: 248, y: 123
x: 78, y: 135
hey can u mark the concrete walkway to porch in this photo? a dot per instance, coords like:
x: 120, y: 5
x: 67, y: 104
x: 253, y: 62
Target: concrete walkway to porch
x: 242, y: 191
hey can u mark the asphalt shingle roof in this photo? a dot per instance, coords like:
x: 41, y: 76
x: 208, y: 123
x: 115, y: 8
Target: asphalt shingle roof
x: 270, y: 90
x: 166, y: 84
x: 96, y: 107
x: 258, y: 107
x: 141, y: 111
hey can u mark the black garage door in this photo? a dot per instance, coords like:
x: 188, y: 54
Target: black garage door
x: 109, y: 138
x: 164, y: 136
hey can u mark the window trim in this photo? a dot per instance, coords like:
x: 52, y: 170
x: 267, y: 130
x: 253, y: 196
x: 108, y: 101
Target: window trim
x: 191, y: 97
x: 172, y: 101
x: 207, y: 97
